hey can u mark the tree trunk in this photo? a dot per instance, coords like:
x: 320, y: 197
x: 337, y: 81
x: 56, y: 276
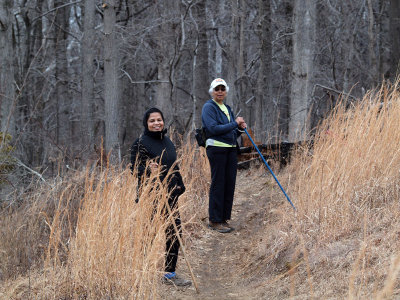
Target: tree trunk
x: 111, y: 95
x: 234, y: 46
x: 242, y: 106
x: 266, y: 110
x: 7, y: 94
x: 303, y: 55
x: 200, y: 64
x: 282, y: 63
x: 63, y: 137
x: 167, y: 53
x: 395, y: 37
x: 39, y: 147
x: 164, y: 90
x: 216, y: 11
x: 372, y: 41
x: 87, y: 104
x: 350, y: 33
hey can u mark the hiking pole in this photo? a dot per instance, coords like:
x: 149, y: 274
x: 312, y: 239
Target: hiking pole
x: 182, y: 247
x: 265, y: 162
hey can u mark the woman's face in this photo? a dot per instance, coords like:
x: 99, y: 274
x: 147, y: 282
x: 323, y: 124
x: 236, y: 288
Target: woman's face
x: 219, y: 93
x: 155, y: 122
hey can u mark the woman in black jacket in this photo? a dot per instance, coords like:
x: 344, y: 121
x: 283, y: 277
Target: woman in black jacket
x: 156, y: 147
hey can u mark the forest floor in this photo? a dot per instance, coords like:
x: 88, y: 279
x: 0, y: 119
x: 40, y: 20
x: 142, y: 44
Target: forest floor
x: 219, y: 261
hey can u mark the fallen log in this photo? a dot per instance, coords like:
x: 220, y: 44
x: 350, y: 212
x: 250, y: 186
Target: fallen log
x: 246, y: 163
x: 279, y: 152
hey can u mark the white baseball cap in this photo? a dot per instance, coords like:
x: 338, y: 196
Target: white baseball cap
x: 216, y: 82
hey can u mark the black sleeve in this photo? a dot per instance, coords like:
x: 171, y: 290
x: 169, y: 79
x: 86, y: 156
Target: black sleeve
x: 179, y: 179
x: 139, y: 156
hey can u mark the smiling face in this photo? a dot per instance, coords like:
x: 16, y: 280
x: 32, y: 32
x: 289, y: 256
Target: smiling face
x: 155, y: 122
x: 219, y: 93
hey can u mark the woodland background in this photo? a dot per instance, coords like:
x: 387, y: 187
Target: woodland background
x: 75, y: 80
x: 76, y: 75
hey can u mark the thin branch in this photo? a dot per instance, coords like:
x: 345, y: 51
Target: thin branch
x: 67, y: 32
x: 21, y: 164
x: 251, y: 98
x: 336, y: 91
x: 143, y: 81
x: 53, y: 9
x: 142, y: 10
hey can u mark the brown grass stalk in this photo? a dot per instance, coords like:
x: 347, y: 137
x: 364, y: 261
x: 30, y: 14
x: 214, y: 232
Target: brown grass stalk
x: 346, y: 189
x: 86, y: 236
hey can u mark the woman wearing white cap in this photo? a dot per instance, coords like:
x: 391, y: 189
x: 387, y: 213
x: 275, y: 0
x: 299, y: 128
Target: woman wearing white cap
x: 222, y: 132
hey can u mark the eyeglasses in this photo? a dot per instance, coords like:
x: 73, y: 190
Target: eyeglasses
x: 219, y: 88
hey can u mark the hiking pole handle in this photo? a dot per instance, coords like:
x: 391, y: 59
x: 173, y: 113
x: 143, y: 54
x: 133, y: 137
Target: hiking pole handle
x: 270, y: 170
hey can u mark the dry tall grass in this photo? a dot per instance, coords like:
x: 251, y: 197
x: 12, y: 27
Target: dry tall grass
x: 354, y: 167
x: 346, y: 191
x: 31, y: 217
x: 83, y: 235
x: 195, y: 171
x: 118, y: 244
x: 94, y: 240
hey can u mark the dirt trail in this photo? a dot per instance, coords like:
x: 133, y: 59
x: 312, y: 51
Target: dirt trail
x: 218, y: 260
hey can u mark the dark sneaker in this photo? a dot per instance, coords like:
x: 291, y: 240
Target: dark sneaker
x: 177, y: 281
x: 220, y: 227
x: 226, y: 224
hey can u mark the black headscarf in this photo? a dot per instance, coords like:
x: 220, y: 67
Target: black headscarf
x: 154, y: 134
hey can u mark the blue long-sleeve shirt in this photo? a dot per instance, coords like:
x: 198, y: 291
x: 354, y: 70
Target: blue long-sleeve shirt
x: 217, y: 125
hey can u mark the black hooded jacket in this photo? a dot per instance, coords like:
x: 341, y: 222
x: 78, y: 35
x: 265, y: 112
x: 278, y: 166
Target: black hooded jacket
x: 158, y: 147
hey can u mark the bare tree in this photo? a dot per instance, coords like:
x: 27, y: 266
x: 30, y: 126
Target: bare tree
x: 266, y: 112
x: 303, y: 67
x: 111, y: 82
x: 233, y: 54
x: 62, y: 96
x: 395, y: 37
x: 216, y: 13
x: 284, y: 61
x: 167, y: 51
x: 7, y: 88
x: 87, y: 103
x: 372, y: 44
x: 200, y: 62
